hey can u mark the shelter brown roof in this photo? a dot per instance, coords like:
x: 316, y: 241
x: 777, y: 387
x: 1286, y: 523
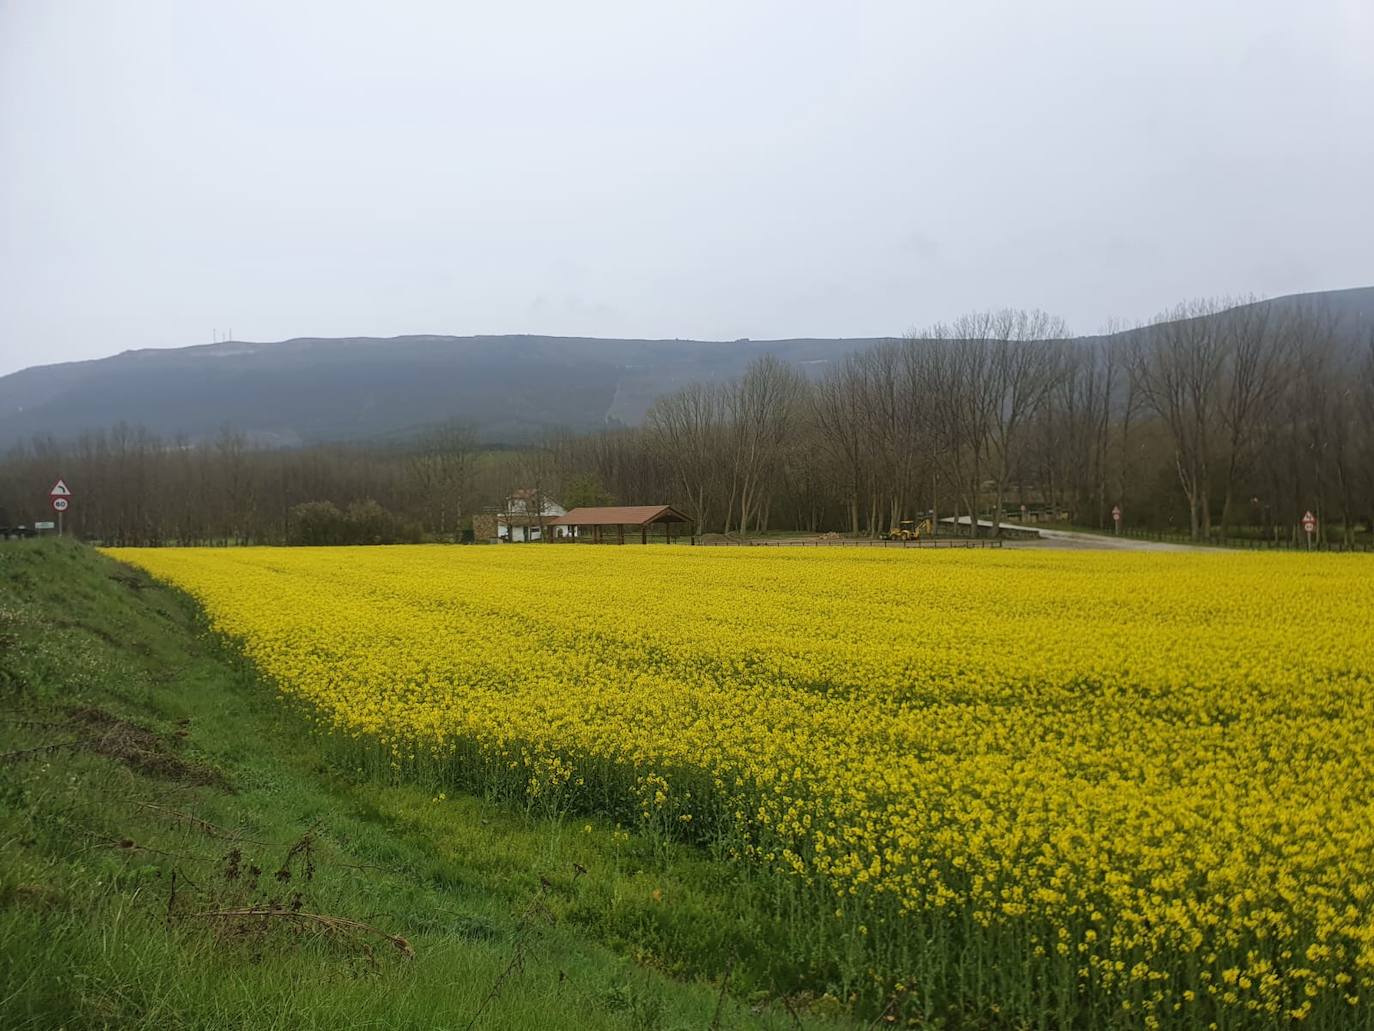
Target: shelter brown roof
x: 622, y: 515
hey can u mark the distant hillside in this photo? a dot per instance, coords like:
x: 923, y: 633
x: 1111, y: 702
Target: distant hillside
x: 311, y: 389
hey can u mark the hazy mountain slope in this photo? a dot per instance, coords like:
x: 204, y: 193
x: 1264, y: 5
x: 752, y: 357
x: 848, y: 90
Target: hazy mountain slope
x: 311, y: 389
x: 1351, y: 311
x: 509, y: 386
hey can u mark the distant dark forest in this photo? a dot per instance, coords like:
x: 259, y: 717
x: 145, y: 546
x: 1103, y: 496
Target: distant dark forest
x: 1214, y: 420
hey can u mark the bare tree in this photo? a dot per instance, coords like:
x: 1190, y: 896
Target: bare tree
x: 1252, y: 347
x: 762, y: 407
x: 1177, y: 369
x: 1024, y: 364
x: 839, y: 408
x: 686, y: 428
x: 538, y: 483
x: 441, y: 469
x: 1364, y: 427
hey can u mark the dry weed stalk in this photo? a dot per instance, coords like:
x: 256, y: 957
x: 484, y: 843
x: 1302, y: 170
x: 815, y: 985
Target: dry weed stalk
x: 336, y: 925
x: 516, y: 964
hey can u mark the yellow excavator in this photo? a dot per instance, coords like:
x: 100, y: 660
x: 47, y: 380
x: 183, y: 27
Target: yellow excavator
x: 909, y: 530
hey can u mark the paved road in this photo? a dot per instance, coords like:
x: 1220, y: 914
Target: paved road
x: 1074, y: 540
x: 1066, y: 539
x: 1099, y: 542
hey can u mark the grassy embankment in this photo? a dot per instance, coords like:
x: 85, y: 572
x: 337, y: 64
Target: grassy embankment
x: 177, y: 850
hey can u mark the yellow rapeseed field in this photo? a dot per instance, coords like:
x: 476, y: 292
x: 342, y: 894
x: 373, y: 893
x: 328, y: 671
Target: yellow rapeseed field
x: 1143, y: 782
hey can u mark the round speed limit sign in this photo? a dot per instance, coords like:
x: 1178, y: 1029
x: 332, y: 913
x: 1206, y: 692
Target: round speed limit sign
x: 59, y: 504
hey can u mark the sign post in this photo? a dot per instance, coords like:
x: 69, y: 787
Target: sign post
x: 1309, y: 523
x: 1116, y: 517
x: 60, y: 496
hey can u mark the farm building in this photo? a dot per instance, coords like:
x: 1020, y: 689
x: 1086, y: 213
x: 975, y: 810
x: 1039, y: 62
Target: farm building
x: 609, y: 522
x: 526, y: 516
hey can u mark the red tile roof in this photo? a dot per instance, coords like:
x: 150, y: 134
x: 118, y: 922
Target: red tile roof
x: 624, y: 515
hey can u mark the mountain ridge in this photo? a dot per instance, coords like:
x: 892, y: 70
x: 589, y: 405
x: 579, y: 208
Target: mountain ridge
x: 310, y: 389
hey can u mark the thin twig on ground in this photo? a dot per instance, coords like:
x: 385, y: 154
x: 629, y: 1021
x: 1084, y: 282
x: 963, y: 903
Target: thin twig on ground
x: 887, y: 1014
x: 336, y: 924
x: 517, y: 957
x: 53, y: 746
x: 720, y: 999
x: 205, y: 826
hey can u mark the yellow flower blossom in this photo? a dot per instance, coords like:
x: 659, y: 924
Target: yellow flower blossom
x: 1151, y: 770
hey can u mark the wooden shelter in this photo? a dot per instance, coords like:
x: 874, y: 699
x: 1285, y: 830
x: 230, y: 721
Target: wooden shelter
x: 599, y: 520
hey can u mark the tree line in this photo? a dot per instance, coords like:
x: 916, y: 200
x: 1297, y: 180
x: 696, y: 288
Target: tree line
x: 1216, y: 419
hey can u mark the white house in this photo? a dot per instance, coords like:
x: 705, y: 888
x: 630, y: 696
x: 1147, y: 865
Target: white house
x: 522, y: 517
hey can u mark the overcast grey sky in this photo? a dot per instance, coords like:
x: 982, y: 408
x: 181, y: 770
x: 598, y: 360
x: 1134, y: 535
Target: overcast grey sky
x: 715, y: 170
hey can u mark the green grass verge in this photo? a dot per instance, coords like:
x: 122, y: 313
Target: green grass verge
x: 177, y: 850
